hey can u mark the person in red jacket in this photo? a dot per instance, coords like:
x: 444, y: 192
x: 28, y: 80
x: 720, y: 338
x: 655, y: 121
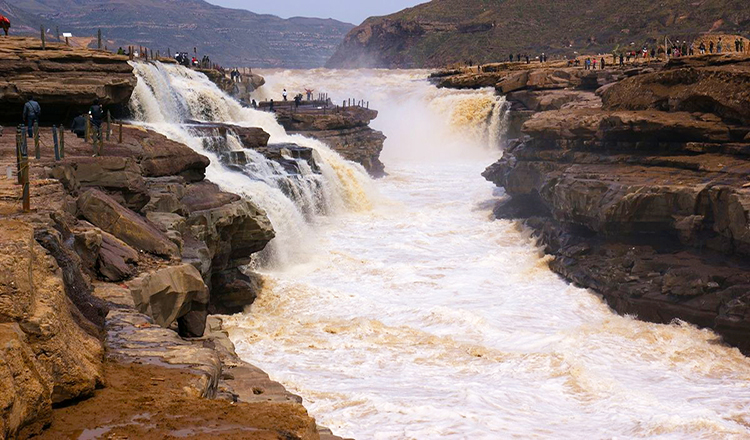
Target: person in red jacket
x: 5, y: 24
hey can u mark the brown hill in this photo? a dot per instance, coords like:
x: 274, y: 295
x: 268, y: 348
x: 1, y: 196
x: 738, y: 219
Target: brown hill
x: 442, y: 32
x: 230, y: 37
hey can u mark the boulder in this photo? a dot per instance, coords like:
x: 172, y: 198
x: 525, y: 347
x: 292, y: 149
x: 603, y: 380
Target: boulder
x: 105, y: 213
x: 233, y: 290
x: 113, y: 174
x: 170, y: 293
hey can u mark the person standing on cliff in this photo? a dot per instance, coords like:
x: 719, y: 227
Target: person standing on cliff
x: 5, y: 24
x: 31, y: 113
x: 97, y: 116
x: 622, y: 60
x: 284, y: 95
x: 719, y: 46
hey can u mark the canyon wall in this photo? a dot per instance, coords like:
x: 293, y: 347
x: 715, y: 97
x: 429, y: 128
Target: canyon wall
x: 636, y: 180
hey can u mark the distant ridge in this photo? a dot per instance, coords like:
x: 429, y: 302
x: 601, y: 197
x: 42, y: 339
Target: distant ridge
x: 442, y: 32
x: 231, y: 37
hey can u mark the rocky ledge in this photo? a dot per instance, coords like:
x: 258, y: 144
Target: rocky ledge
x: 106, y: 289
x: 640, y: 188
x: 69, y: 79
x: 346, y: 130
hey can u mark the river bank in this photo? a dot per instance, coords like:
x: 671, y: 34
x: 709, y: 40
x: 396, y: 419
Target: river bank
x: 635, y: 180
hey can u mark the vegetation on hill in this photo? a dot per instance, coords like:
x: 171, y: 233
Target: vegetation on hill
x: 442, y: 32
x: 230, y: 37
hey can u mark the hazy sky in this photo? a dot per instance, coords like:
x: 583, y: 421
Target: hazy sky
x: 352, y: 11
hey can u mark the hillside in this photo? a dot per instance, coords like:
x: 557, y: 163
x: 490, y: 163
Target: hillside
x: 21, y: 20
x: 442, y: 32
x: 230, y: 37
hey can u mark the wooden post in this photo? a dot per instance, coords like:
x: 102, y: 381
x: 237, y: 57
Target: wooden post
x: 37, y: 152
x: 25, y: 181
x: 99, y: 39
x: 67, y: 43
x: 119, y: 138
x: 109, y: 122
x: 62, y: 142
x: 20, y: 135
x: 55, y: 142
x: 44, y: 38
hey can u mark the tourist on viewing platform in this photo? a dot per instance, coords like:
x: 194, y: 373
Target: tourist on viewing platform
x: 528, y: 60
x: 602, y: 64
x: 653, y: 53
x: 622, y: 60
x: 284, y: 94
x: 297, y: 100
x: 5, y: 24
x: 31, y: 112
x: 702, y: 48
x: 519, y: 57
x: 121, y: 51
x: 79, y: 126
x: 719, y: 46
x: 254, y: 104
x: 593, y: 64
x: 270, y: 106
x: 711, y: 47
x: 691, y: 51
x: 309, y: 93
x: 97, y: 116
x: 511, y: 58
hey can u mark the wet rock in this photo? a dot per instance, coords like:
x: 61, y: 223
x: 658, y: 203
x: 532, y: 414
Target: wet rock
x: 233, y: 290
x: 172, y: 293
x: 107, y: 214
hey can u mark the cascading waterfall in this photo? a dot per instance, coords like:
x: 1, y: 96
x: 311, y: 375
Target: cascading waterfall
x: 167, y: 98
x: 425, y: 319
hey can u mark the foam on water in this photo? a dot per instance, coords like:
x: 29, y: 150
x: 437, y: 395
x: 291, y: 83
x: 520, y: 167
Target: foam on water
x: 423, y: 318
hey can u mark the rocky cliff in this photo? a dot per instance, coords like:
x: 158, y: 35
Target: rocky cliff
x: 640, y: 189
x: 68, y: 78
x: 443, y: 32
x: 346, y: 130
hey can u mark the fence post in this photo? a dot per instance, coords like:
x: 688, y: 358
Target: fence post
x: 37, y: 152
x: 55, y: 142
x: 25, y: 181
x: 20, y: 134
x: 44, y: 39
x: 62, y: 142
x: 99, y: 39
x: 109, y: 122
x: 119, y: 139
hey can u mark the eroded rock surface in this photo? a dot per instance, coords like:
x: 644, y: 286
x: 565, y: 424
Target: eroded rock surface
x: 646, y: 199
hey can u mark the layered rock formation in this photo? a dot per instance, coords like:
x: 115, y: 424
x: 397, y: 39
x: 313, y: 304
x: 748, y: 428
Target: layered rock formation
x: 444, y: 32
x: 645, y: 196
x: 346, y: 130
x: 68, y: 78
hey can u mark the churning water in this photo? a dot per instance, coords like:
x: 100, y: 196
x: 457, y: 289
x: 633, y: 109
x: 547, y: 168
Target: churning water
x: 413, y: 315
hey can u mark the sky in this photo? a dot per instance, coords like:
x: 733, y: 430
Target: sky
x: 351, y: 11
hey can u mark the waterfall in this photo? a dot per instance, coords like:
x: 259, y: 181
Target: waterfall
x: 168, y: 97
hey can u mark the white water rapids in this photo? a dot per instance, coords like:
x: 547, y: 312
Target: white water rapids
x: 408, y: 313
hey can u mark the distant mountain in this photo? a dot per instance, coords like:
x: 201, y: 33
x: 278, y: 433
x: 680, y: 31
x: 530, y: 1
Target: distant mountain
x: 230, y: 37
x: 21, y: 20
x: 448, y: 31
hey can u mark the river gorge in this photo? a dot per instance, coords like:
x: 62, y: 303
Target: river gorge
x: 400, y: 309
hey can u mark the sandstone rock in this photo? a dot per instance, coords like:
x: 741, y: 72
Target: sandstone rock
x: 105, y: 213
x: 65, y: 79
x: 233, y: 290
x: 717, y: 89
x: 53, y: 360
x: 25, y: 405
x: 113, y: 174
x: 116, y: 259
x: 169, y: 294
